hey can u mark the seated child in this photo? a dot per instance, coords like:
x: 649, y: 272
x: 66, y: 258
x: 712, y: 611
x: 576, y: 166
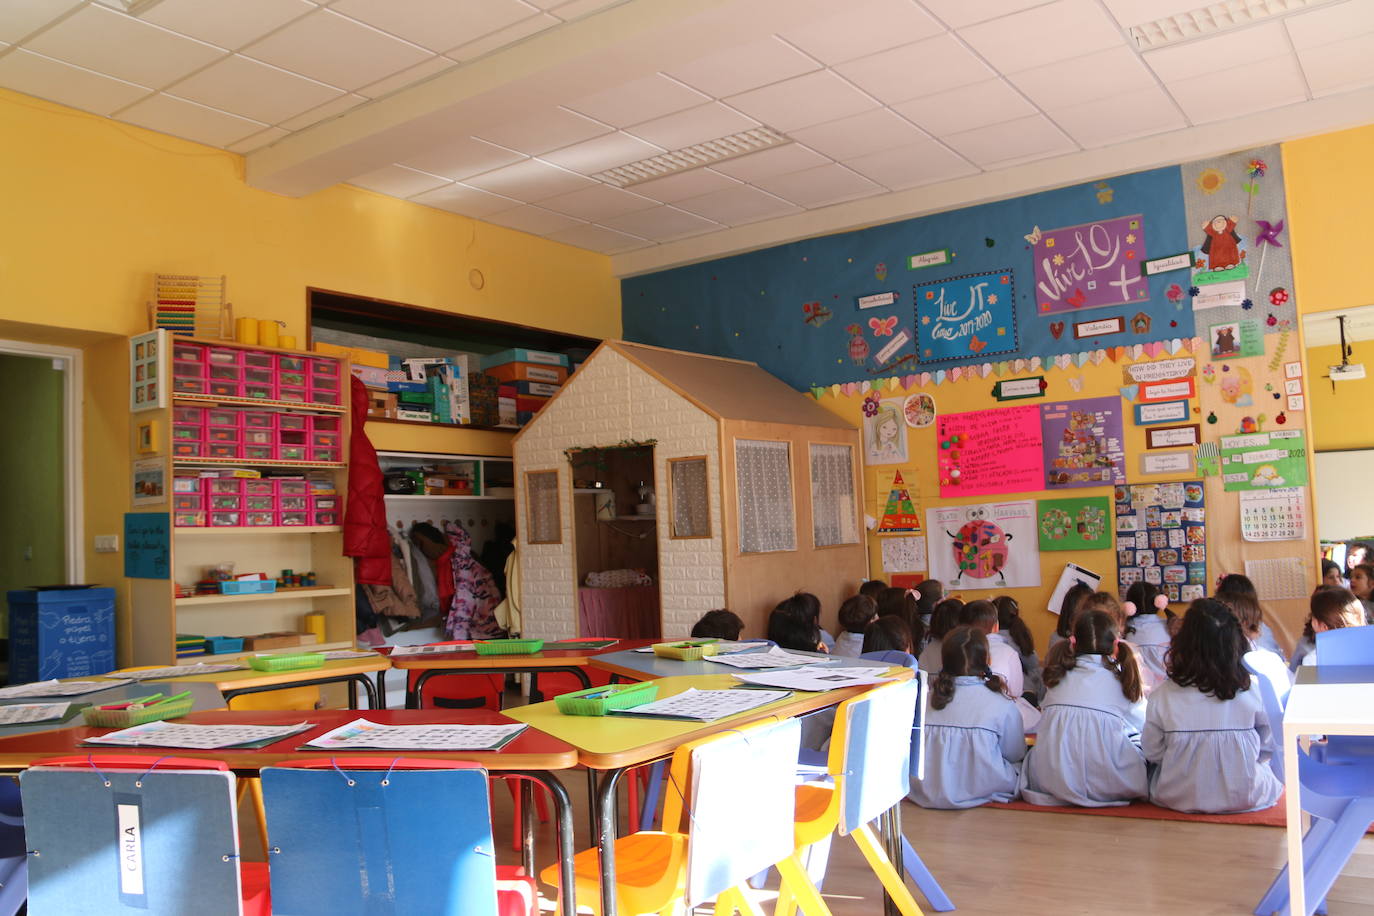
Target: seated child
x: 872, y: 588
x: 804, y: 609
x: 1206, y: 730
x: 718, y: 624
x: 1014, y: 630
x: 1068, y: 607
x: 791, y: 633
x: 887, y: 634
x: 856, y: 613
x: 1003, y: 658
x: 901, y: 602
x: 973, y: 732
x: 1087, y: 751
x: 944, y: 618
x: 929, y: 592
x: 1331, y: 608
x: 1146, y: 631
x: 1259, y: 635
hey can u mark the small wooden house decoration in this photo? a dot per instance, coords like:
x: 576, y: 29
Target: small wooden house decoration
x: 714, y: 483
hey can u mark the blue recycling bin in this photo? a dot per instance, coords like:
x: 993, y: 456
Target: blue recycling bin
x: 57, y: 633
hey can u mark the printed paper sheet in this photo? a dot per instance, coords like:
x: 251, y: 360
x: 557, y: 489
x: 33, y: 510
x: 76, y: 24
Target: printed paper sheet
x: 22, y: 713
x: 984, y: 545
x: 904, y: 554
x: 58, y: 688
x: 198, y: 737
x: 360, y: 734
x: 705, y: 705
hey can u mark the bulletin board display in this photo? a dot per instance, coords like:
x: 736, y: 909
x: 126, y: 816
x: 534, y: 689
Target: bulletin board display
x: 984, y: 545
x: 1263, y: 461
x: 990, y: 451
x: 1084, y: 446
x: 1084, y: 523
x: 1161, y: 538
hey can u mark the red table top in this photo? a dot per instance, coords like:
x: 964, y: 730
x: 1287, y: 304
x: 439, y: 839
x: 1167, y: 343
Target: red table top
x: 530, y: 750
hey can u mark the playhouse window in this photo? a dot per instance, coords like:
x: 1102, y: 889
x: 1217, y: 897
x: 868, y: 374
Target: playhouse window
x: 834, y: 506
x: 543, y: 524
x: 691, y: 508
x: 763, y: 480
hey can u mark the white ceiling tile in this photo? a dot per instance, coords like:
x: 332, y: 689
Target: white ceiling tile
x: 1219, y: 53
x: 695, y: 125
x: 858, y: 135
x: 336, y: 50
x: 592, y: 156
x: 436, y: 24
x: 910, y: 166
x: 779, y: 160
x: 743, y: 67
x: 1119, y: 118
x: 802, y: 101
x: 818, y: 187
x: 737, y: 206
x: 598, y: 203
x: 579, y: 8
x: 998, y: 143
x: 1330, y: 24
x: 920, y: 69
x: 639, y: 100
x: 1045, y: 34
x: 502, y: 37
x: 117, y: 45
x: 975, y: 105
x: 253, y: 90
x: 18, y: 20
x: 183, y: 118
x: 662, y: 224
x: 1084, y: 79
x: 1339, y: 66
x: 327, y: 110
x: 1201, y: 100
x: 551, y: 128
x: 407, y: 77
x: 1138, y: 12
x: 598, y: 238
x: 459, y: 198
x: 529, y: 181
x: 45, y: 78
x: 398, y: 181
x: 531, y: 219
x: 460, y: 158
x: 863, y: 27
x: 229, y: 25
x: 683, y: 185
x: 958, y: 13
x: 258, y: 140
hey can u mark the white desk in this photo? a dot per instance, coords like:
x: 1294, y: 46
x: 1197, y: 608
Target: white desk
x: 1335, y: 700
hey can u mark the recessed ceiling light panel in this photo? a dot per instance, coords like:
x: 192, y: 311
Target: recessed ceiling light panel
x: 1213, y: 18
x: 692, y: 157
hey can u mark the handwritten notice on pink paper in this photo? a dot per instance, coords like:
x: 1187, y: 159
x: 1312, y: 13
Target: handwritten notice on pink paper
x: 990, y: 451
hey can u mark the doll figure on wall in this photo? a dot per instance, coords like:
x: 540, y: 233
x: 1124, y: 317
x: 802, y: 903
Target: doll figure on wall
x: 1237, y: 388
x: 885, y: 434
x: 1222, y: 245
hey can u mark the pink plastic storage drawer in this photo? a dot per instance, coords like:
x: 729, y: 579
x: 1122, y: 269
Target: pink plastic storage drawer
x: 291, y: 379
x: 182, y: 369
x: 292, y: 503
x: 188, y: 519
x: 258, y: 437
x: 222, y: 388
x: 257, y: 359
x: 259, y: 419
x: 260, y: 487
x: 188, y: 385
x: 259, y: 452
x: 226, y: 519
x: 183, y: 433
x: 188, y: 353
x: 292, y: 518
x: 223, y: 416
x: 325, y: 424
x: 190, y: 415
x: 292, y: 437
x: 324, y: 440
x: 322, y: 396
x: 321, y: 503
x: 260, y: 392
x: 186, y: 502
x: 291, y: 453
x: 324, y: 454
x: 222, y: 450
x: 222, y: 485
x: 226, y: 373
x: 257, y: 376
x: 223, y: 433
x: 187, y: 449
x: 329, y: 517
x: 291, y: 395
x: 224, y: 356
x: 219, y: 503
x: 292, y: 421
x: 290, y: 363
x: 260, y: 503
x: 324, y: 368
x: 261, y: 519
x: 292, y: 487
x: 185, y: 483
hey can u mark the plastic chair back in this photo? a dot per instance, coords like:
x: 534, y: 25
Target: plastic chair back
x: 891, y: 657
x: 877, y: 747
x: 355, y: 836
x: 742, y: 776
x: 132, y: 834
x: 1274, y: 687
x: 1346, y: 646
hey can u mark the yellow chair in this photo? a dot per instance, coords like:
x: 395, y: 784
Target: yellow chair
x: 656, y: 871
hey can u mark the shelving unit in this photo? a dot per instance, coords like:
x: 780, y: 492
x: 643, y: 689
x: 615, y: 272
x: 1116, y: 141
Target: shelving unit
x: 157, y: 614
x: 478, y: 513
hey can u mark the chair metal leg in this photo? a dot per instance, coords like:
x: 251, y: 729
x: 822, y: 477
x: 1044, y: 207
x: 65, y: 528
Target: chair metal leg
x: 649, y: 803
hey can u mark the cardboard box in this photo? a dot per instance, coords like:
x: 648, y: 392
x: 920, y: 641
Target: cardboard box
x: 529, y: 372
x: 409, y: 387
x: 537, y: 389
x: 356, y: 355
x: 531, y: 405
x: 422, y: 416
x: 275, y: 641
x: 370, y: 376
x: 506, y: 413
x: 521, y: 355
x: 381, y: 404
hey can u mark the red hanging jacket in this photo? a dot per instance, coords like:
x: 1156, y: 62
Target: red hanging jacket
x: 365, y: 533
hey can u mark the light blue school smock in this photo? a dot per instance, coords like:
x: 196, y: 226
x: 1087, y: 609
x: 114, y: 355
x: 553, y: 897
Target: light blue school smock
x: 1211, y: 756
x: 1087, y: 749
x: 1304, y: 648
x: 1151, y: 640
x: 1265, y: 640
x: 932, y: 660
x: 848, y: 645
x: 972, y: 748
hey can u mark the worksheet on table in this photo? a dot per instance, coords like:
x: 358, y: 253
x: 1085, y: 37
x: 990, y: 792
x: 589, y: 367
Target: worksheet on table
x: 198, y: 737
x: 360, y: 734
x: 22, y: 713
x: 144, y: 674
x: 817, y: 679
x: 773, y: 658
x: 704, y: 705
x: 58, y: 688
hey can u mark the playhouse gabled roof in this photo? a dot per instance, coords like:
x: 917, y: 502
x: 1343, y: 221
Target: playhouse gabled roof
x: 728, y: 389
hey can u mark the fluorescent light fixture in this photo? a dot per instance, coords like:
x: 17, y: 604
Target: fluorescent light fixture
x: 1213, y: 18
x: 692, y: 157
x: 132, y: 7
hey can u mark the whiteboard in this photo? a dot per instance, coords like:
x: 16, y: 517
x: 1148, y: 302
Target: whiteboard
x: 1344, y: 487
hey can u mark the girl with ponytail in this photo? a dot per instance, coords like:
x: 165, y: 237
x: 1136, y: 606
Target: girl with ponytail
x: 1087, y: 749
x: 1147, y: 631
x: 974, y: 737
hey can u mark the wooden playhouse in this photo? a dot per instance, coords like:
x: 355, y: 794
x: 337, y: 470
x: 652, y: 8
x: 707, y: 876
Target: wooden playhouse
x: 755, y: 487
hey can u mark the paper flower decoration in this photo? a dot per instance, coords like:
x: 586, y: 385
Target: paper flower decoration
x: 1278, y: 296
x: 1247, y: 304
x: 1210, y: 181
x: 1193, y: 291
x: 1174, y: 293
x: 1256, y: 168
x: 1209, y: 373
x: 870, y: 405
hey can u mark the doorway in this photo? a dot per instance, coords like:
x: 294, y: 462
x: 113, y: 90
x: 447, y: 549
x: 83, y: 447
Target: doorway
x: 615, y: 542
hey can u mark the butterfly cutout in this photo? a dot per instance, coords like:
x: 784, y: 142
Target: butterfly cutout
x: 1034, y: 236
x: 977, y: 345
x: 1077, y: 299
x: 882, y: 327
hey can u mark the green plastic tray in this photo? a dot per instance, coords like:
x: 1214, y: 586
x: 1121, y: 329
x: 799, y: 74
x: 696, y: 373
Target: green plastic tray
x: 686, y: 651
x: 597, y: 701
x: 136, y: 715
x: 293, y: 661
x: 508, y: 646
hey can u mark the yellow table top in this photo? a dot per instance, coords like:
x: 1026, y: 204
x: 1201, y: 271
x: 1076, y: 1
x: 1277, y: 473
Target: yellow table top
x: 247, y: 677
x: 610, y: 742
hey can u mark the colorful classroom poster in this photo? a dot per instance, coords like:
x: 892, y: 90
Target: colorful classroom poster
x: 1261, y: 461
x: 987, y: 545
x: 1075, y: 524
x: 1236, y: 338
x: 904, y: 554
x: 990, y: 451
x: 1277, y: 514
x: 1092, y: 265
x: 1161, y: 538
x: 968, y: 317
x: 897, y: 509
x: 1083, y: 443
x: 884, y: 432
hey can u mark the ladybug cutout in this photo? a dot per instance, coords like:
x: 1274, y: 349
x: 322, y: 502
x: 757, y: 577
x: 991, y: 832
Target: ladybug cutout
x: 981, y: 547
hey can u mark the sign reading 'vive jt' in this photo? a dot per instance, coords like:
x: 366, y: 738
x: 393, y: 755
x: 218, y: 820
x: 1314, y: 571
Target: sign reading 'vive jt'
x: 968, y: 317
x: 1092, y: 265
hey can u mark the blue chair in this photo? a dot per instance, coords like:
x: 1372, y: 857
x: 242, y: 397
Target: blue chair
x: 1274, y: 686
x: 891, y: 657
x: 1340, y: 798
x: 14, y: 869
x: 1346, y: 646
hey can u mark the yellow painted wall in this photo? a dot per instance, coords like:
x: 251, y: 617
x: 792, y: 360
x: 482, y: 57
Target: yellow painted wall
x: 1330, y: 196
x: 94, y: 208
x: 1343, y: 416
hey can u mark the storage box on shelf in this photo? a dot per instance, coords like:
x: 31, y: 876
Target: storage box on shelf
x: 257, y: 439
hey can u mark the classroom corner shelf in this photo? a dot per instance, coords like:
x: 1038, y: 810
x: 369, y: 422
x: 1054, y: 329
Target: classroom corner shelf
x: 240, y: 530
x: 213, y: 658
x: 205, y: 400
x: 286, y: 594
x: 251, y: 463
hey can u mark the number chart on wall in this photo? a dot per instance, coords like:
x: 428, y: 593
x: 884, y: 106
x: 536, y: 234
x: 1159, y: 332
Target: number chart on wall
x: 1161, y: 538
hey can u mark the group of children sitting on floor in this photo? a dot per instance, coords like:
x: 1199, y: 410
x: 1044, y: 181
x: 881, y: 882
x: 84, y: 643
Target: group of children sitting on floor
x: 1201, y: 743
